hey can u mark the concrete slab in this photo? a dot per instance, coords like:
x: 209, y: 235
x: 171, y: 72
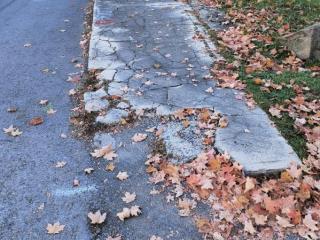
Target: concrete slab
x: 164, y: 66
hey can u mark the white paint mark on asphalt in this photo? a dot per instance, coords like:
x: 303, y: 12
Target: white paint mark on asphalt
x: 67, y: 192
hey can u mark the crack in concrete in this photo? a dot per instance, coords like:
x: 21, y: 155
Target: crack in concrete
x: 147, y: 32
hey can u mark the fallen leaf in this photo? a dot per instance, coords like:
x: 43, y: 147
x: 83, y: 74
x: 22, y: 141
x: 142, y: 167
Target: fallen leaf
x: 105, y: 152
x: 122, y: 176
x: 258, y: 81
x: 60, y: 164
x: 55, y: 228
x: 250, y: 184
x: 72, y: 92
x: 51, y: 111
x: 97, y: 217
x: 286, y: 177
x: 43, y: 102
x: 283, y: 222
x: 129, y: 197
x: 139, y: 137
x: 110, y: 167
x: 12, y: 131
x: 260, y: 219
x: 310, y: 223
x: 223, y: 122
x: 209, y: 90
x: 275, y: 112
x: 135, y: 210
x: 272, y: 206
x: 11, y: 109
x: 248, y: 227
x: 76, y: 183
x: 154, y: 237
x: 36, y: 121
x: 63, y: 135
x: 125, y: 213
x: 88, y: 170
x: 294, y: 171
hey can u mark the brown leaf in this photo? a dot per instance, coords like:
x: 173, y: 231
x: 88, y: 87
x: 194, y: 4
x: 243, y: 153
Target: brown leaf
x: 283, y: 222
x: 286, y: 177
x: 55, y: 228
x: 223, y: 122
x: 110, y: 167
x: 122, y: 176
x: 304, y: 192
x: 250, y: 184
x: 139, y: 137
x: 275, y: 112
x: 129, y: 197
x: 105, y: 152
x: 310, y: 223
x: 12, y: 131
x: 248, y: 227
x: 97, y: 217
x: 272, y: 206
x: 260, y: 219
x: 36, y: 121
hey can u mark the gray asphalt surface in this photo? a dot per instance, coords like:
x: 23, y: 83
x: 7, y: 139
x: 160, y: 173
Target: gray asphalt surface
x: 28, y: 177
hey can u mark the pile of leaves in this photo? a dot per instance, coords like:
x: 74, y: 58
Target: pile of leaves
x: 263, y: 207
x: 253, y: 40
x: 240, y: 204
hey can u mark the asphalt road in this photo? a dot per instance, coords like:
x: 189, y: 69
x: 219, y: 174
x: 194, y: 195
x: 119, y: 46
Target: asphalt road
x: 33, y: 192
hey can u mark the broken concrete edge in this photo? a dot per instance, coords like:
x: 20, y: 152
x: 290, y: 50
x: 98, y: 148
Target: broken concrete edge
x: 217, y: 101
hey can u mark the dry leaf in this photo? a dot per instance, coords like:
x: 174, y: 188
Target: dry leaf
x: 260, y: 219
x: 55, y: 228
x: 122, y: 176
x: 310, y: 223
x: 154, y: 237
x: 76, y: 183
x: 275, y: 112
x: 88, y: 170
x: 209, y: 90
x: 129, y: 197
x: 110, y: 167
x: 250, y: 184
x: 36, y: 121
x: 135, y: 210
x: 43, y: 102
x: 12, y: 131
x: 51, y: 111
x: 126, y: 213
x: 248, y: 227
x: 283, y: 222
x: 139, y: 137
x: 105, y: 152
x: 223, y: 122
x: 12, y: 109
x: 60, y: 164
x: 72, y: 92
x: 294, y: 171
x: 97, y: 217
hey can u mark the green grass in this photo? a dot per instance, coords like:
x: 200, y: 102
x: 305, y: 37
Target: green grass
x: 298, y: 13
x: 266, y: 99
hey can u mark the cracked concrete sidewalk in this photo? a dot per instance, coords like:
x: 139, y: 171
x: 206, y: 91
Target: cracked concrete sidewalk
x: 151, y: 58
